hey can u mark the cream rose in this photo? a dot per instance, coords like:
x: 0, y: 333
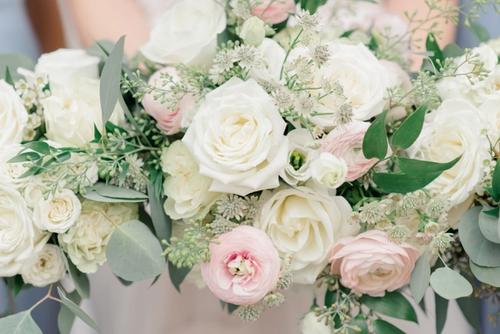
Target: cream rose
x: 13, y: 116
x: 300, y: 154
x: 58, y: 213
x: 187, y: 33
x: 237, y: 138
x: 45, y: 268
x: 328, y: 170
x: 186, y: 190
x: 452, y: 130
x: 86, y: 241
x: 363, y: 80
x: 305, y: 224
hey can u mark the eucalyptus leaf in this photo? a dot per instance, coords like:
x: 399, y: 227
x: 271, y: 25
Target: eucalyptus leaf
x: 449, y: 284
x: 490, y: 227
x: 480, y: 250
x: 393, y: 304
x: 420, y: 277
x: 161, y: 222
x: 101, y: 192
x: 383, y: 327
x: 109, y: 88
x: 375, y: 139
x: 177, y: 275
x: 66, y: 318
x: 80, y: 280
x: 19, y: 323
x: 488, y: 275
x: 134, y: 253
x: 495, y: 189
x: 471, y: 309
x: 480, y: 32
x: 410, y: 129
x: 76, y: 309
x: 441, y: 312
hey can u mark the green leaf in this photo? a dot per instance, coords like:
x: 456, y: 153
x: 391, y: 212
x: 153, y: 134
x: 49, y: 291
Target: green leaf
x: 161, y: 222
x: 411, y: 166
x: 8, y: 77
x: 383, y: 327
x: 393, y: 304
x: 26, y: 156
x: 66, y: 318
x: 480, y: 250
x: 375, y: 140
x: 420, y: 277
x: 360, y: 326
x: 441, y: 312
x: 493, y: 212
x: 15, y: 284
x: 449, y: 284
x: 109, y: 88
x: 330, y: 297
x: 488, y: 275
x: 80, y: 280
x: 490, y: 227
x: 134, y: 253
x: 495, y: 189
x: 410, y: 129
x: 432, y: 46
x: 177, y: 275
x: 311, y: 5
x: 452, y: 50
x: 480, y: 32
x: 38, y: 146
x: 101, y: 192
x: 13, y: 61
x: 19, y: 323
x: 76, y: 309
x: 471, y: 309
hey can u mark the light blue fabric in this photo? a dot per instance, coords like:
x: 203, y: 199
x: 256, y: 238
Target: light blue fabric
x: 488, y: 19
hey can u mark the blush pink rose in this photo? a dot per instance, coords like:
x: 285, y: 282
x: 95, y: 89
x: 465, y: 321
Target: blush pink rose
x: 169, y: 121
x: 371, y: 263
x: 346, y: 142
x: 273, y: 11
x: 244, y: 266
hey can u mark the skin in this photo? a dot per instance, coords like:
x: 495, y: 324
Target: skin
x: 44, y: 16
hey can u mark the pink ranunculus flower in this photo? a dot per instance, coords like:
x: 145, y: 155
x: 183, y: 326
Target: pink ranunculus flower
x: 244, y: 266
x: 169, y: 121
x: 346, y: 142
x: 371, y: 263
x: 273, y: 11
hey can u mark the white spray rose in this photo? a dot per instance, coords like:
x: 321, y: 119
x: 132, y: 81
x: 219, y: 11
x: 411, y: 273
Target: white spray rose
x: 187, y: 33
x: 58, y: 213
x: 86, y: 242
x: 237, y: 138
x: 253, y: 31
x: 186, y: 190
x: 329, y: 171
x: 451, y: 131
x: 274, y: 56
x: 305, y: 224
x: 312, y: 325
x: 45, y: 268
x: 13, y: 116
x: 301, y: 153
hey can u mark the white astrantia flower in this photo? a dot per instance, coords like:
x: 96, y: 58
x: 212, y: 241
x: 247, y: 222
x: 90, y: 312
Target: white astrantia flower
x: 304, y: 224
x: 13, y: 116
x: 237, y: 138
x: 46, y: 267
x: 57, y: 213
x: 329, y: 171
x: 187, y: 33
x: 300, y: 154
x: 451, y: 131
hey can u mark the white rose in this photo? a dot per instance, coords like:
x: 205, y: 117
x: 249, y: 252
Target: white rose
x: 495, y: 45
x: 13, y: 116
x: 68, y: 66
x: 11, y: 170
x: 187, y: 33
x: 452, y: 130
x: 17, y: 234
x: 363, y: 80
x: 490, y: 115
x: 328, y: 170
x: 237, y: 138
x: 253, y: 31
x: 71, y: 113
x: 86, y: 241
x: 186, y: 190
x: 45, y: 268
x: 305, y: 224
x: 58, y: 213
x: 300, y: 155
x: 310, y: 324
x: 274, y: 56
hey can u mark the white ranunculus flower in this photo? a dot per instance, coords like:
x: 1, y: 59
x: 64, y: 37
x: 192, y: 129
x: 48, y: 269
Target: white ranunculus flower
x: 187, y: 33
x: 253, y: 31
x: 274, y: 56
x: 363, y: 80
x: 70, y: 113
x: 237, y: 138
x: 300, y: 154
x: 310, y: 324
x: 187, y: 191
x: 68, y: 66
x: 305, y: 224
x: 86, y: 241
x: 58, y: 213
x: 13, y: 116
x: 329, y: 171
x: 452, y: 130
x: 45, y: 268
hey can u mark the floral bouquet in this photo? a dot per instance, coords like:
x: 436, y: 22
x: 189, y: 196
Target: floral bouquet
x: 258, y: 145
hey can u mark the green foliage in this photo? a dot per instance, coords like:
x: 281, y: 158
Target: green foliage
x: 375, y: 139
x: 420, y: 277
x: 437, y: 56
x: 101, y: 192
x: 490, y: 227
x: 383, y: 327
x: 471, y: 309
x: 441, y: 312
x: 134, y: 253
x: 480, y: 32
x: 76, y: 310
x: 10, y: 62
x: 449, y: 284
x: 495, y: 188
x: 161, y: 222
x: 310, y: 5
x: 66, y: 318
x: 80, y: 280
x: 109, y: 88
x: 177, y: 275
x: 452, y: 50
x: 488, y: 275
x: 19, y: 323
x: 410, y: 129
x: 393, y: 304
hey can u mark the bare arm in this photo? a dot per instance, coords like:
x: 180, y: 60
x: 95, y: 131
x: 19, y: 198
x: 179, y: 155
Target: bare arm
x: 110, y: 19
x: 46, y: 23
